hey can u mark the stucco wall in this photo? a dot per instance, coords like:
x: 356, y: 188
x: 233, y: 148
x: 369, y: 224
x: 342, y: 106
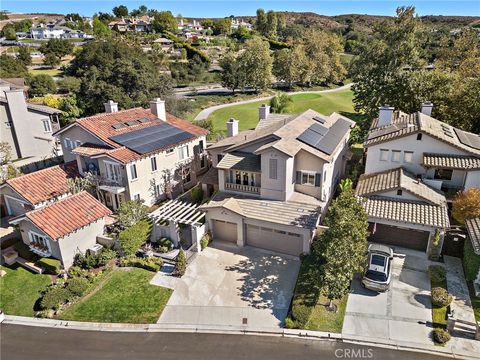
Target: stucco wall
x: 472, y: 179
x: 26, y: 226
x: 274, y: 189
x: 15, y: 201
x: 76, y: 133
x: 308, y: 162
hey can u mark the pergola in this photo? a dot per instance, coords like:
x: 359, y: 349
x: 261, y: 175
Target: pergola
x: 178, y: 212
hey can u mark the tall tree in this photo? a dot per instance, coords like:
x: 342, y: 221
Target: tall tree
x: 10, y: 67
x: 40, y: 85
x: 292, y: 65
x: 256, y: 62
x: 281, y: 103
x: 466, y: 205
x: 120, y: 11
x: 261, y: 22
x: 100, y: 28
x: 24, y: 55
x: 272, y: 23
x: 164, y: 21
x: 233, y: 76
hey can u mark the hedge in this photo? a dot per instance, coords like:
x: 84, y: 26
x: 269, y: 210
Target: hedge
x: 191, y: 51
x: 471, y: 261
x: 50, y: 265
x: 150, y: 264
x: 277, y: 45
x: 133, y: 237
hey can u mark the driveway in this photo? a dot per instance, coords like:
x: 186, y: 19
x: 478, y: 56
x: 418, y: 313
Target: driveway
x: 231, y: 286
x: 403, y: 314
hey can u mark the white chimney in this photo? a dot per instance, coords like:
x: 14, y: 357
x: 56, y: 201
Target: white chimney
x: 157, y: 106
x: 232, y: 127
x: 385, y: 115
x: 426, y: 108
x: 263, y: 112
x: 111, y: 107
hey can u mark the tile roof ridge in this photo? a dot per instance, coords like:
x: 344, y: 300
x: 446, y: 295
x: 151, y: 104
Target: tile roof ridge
x: 105, y: 114
x: 62, y: 200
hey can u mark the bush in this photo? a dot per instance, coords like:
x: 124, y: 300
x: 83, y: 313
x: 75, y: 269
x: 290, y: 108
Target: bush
x: 441, y: 336
x: 289, y: 323
x: 471, y: 261
x: 42, y: 84
x: 197, y: 194
x: 205, y: 240
x: 440, y: 297
x: 166, y: 245
x: 77, y: 286
x: 180, y: 264
x: 50, y: 265
x: 105, y: 256
x: 55, y: 297
x: 150, y: 264
x: 24, y: 251
x: 91, y: 261
x: 133, y: 237
x: 437, y: 273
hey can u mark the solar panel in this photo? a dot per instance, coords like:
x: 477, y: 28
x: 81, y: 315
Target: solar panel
x: 468, y: 139
x: 152, y: 138
x: 318, y: 128
x: 329, y: 139
x: 118, y: 126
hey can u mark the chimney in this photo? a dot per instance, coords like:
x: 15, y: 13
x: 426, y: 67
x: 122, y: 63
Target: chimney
x: 385, y: 115
x: 157, y: 106
x: 232, y: 127
x: 263, y: 112
x: 426, y: 108
x: 111, y: 107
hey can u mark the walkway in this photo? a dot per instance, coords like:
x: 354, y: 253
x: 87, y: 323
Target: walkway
x: 205, y: 113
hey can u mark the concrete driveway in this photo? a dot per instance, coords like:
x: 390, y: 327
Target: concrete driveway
x: 231, y: 286
x: 403, y: 314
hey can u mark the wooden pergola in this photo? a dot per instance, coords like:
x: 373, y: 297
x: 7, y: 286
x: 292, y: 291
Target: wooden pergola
x: 178, y: 212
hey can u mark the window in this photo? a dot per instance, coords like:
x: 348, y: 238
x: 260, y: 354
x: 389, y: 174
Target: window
x: 396, y: 155
x: 219, y: 158
x: 399, y: 192
x: 187, y: 177
x: 68, y: 143
x: 47, y: 126
x: 113, y: 171
x: 136, y: 197
x: 153, y: 161
x: 408, y: 156
x: 133, y: 171
x: 77, y: 144
x: 38, y: 241
x: 157, y: 190
x: 272, y: 172
x: 238, y: 177
x: 169, y: 151
x: 183, y: 152
x: 443, y: 174
x: 419, y: 136
x: 383, y: 155
x: 200, y: 145
x: 308, y: 178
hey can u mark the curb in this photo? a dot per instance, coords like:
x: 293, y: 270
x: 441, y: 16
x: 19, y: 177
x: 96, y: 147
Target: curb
x: 238, y: 330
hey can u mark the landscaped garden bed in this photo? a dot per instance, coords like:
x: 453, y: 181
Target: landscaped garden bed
x: 441, y: 300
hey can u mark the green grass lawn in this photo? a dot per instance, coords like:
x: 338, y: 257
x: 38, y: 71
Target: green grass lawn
x: 439, y: 314
x: 247, y: 114
x: 125, y: 296
x: 20, y: 289
x: 46, y: 71
x: 323, y: 320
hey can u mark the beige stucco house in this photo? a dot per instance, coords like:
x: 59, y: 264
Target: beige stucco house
x: 274, y: 182
x: 136, y: 153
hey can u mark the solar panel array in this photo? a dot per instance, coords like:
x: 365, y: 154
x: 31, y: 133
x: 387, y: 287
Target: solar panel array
x: 152, y: 138
x: 323, y: 138
x: 468, y: 139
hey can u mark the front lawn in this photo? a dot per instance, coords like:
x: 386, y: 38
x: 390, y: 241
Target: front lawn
x: 323, y: 320
x: 247, y: 114
x: 20, y: 289
x: 126, y: 297
x: 439, y: 313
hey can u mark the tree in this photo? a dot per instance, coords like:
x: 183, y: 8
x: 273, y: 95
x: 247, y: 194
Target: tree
x: 9, y: 33
x: 261, y: 22
x: 120, y: 11
x: 281, y: 103
x: 233, y: 76
x: 54, y: 50
x: 164, y: 21
x: 69, y: 84
x: 105, y: 18
x: 281, y: 24
x: 113, y: 71
x: 141, y: 11
x: 5, y: 153
x: 100, y: 28
x: 75, y: 17
x: 10, y: 67
x: 51, y: 60
x: 271, y: 28
x: 131, y: 212
x: 466, y: 205
x: 40, y: 85
x: 222, y: 26
x: 291, y: 65
x: 70, y: 110
x: 79, y: 184
x: 342, y: 246
x: 256, y: 63
x: 24, y: 55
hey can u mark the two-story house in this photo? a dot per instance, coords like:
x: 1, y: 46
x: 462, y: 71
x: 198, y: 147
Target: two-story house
x: 136, y: 153
x: 275, y: 182
x: 28, y: 128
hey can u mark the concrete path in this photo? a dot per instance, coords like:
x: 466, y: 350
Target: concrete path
x: 205, y: 113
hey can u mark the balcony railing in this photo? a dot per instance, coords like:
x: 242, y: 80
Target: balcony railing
x: 243, y: 188
x: 111, y: 182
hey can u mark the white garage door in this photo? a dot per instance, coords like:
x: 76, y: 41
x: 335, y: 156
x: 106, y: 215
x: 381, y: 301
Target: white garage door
x: 274, y: 240
x: 224, y: 231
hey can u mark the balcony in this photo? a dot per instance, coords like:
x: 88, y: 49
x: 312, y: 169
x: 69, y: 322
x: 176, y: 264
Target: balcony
x: 243, y: 188
x: 39, y: 249
x: 112, y: 186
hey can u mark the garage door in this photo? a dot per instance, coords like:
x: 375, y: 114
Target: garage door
x: 224, y: 231
x: 395, y: 236
x: 274, y: 240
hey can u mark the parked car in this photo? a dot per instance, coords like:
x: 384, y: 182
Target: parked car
x: 378, y: 273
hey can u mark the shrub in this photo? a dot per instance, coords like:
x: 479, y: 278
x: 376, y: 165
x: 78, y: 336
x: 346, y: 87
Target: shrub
x: 150, y: 264
x: 438, y: 273
x: 90, y: 261
x: 440, y: 297
x: 471, y: 261
x: 197, y: 194
x: 50, y: 265
x: 78, y: 272
x: 24, y: 251
x: 105, y: 256
x: 205, y: 240
x: 77, y: 286
x: 180, y: 264
x: 166, y: 245
x: 289, y: 323
x: 133, y: 237
x: 55, y: 297
x: 441, y: 336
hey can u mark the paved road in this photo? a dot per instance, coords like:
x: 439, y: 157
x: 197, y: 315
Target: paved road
x: 25, y: 342
x: 205, y: 113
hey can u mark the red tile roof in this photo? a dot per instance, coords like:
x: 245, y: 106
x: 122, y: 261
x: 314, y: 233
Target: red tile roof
x: 88, y: 149
x: 67, y: 215
x: 45, y: 184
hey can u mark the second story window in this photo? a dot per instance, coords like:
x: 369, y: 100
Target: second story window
x: 383, y: 155
x: 396, y: 155
x: 408, y: 156
x: 183, y: 152
x: 47, y: 125
x: 113, y: 171
x: 272, y: 169
x: 153, y: 161
x: 133, y: 171
x: 308, y: 178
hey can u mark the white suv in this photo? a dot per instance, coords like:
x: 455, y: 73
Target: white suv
x: 378, y: 271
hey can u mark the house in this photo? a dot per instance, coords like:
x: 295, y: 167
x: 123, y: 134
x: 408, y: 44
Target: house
x: 137, y: 153
x: 28, y: 128
x: 402, y: 210
x: 63, y: 228
x: 136, y: 24
x: 55, y: 31
x: 236, y: 23
x: 445, y: 157
x: 274, y: 182
x: 194, y: 25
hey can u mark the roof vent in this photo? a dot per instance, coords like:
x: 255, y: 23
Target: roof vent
x: 319, y: 119
x: 132, y: 123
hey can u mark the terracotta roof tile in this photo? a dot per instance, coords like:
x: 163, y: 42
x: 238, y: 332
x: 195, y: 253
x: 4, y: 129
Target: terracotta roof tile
x: 45, y: 184
x: 473, y: 229
x: 88, y: 149
x: 451, y: 161
x: 67, y: 215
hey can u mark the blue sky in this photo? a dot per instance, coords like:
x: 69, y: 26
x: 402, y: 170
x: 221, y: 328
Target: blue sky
x: 218, y: 8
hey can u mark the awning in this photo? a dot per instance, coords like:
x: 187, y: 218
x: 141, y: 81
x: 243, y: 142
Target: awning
x: 178, y: 211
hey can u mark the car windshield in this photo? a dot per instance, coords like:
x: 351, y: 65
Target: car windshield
x: 376, y: 275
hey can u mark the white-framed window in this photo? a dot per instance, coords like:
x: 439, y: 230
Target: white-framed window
x: 136, y: 197
x: 153, y: 162
x: 68, y: 143
x: 157, y: 190
x: 47, y: 125
x: 169, y: 151
x: 113, y: 171
x: 383, y: 154
x: 408, y: 156
x: 77, y: 143
x: 38, y: 240
x: 396, y: 155
x: 272, y: 168
x: 133, y: 171
x: 308, y: 178
x: 183, y: 152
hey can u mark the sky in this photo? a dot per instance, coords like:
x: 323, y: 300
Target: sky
x: 222, y: 8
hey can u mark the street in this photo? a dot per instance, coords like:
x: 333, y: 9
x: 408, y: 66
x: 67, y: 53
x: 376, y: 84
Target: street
x: 25, y: 342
